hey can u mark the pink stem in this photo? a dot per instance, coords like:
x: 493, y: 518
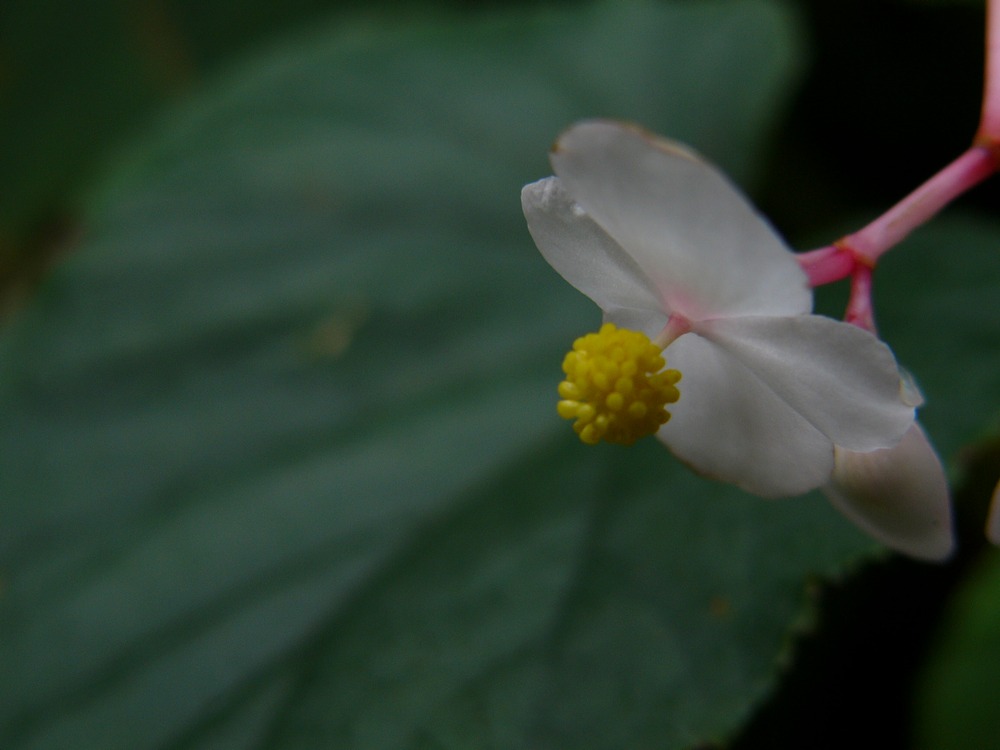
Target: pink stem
x: 859, y: 307
x: 826, y: 265
x: 677, y: 325
x: 989, y: 124
x: 856, y: 254
x: 968, y: 170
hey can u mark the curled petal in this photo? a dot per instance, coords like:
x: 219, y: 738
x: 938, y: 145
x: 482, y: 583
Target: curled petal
x: 706, y: 249
x: 588, y: 258
x: 840, y: 378
x: 993, y: 522
x: 729, y: 425
x: 897, y: 495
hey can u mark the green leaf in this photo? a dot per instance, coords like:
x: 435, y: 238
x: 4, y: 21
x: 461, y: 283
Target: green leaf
x: 935, y: 297
x: 279, y: 456
x: 957, y: 697
x: 77, y: 79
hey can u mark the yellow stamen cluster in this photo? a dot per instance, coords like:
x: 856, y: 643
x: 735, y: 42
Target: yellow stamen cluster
x: 616, y: 387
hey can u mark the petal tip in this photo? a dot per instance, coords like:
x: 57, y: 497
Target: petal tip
x: 584, y: 133
x: 899, y: 496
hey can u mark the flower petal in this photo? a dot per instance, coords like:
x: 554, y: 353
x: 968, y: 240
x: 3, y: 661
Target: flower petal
x: 704, y: 246
x: 649, y: 323
x: 897, y: 495
x: 729, y: 425
x: 840, y: 378
x: 587, y: 257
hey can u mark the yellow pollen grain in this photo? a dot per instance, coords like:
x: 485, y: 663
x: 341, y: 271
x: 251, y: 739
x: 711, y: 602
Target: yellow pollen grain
x: 616, y: 389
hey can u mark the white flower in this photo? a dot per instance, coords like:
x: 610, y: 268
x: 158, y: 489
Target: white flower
x: 666, y: 246
x: 898, y: 495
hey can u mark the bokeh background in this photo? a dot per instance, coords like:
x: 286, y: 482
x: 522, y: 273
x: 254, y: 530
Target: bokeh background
x: 279, y: 460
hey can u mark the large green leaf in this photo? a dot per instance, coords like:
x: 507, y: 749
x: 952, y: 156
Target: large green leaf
x: 279, y: 459
x: 77, y: 78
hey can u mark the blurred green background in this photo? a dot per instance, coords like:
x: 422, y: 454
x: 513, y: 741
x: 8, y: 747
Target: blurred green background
x: 279, y: 463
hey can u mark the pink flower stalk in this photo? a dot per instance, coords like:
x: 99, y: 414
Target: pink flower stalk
x: 980, y: 161
x: 864, y: 247
x: 989, y: 122
x: 873, y: 488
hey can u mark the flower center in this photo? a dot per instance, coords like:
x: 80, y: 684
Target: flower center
x: 616, y: 387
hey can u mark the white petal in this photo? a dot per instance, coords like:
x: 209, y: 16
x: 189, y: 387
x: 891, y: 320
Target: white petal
x: 993, y: 522
x: 705, y: 247
x: 636, y: 320
x: 841, y: 378
x: 898, y: 495
x: 587, y: 257
x: 728, y: 425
